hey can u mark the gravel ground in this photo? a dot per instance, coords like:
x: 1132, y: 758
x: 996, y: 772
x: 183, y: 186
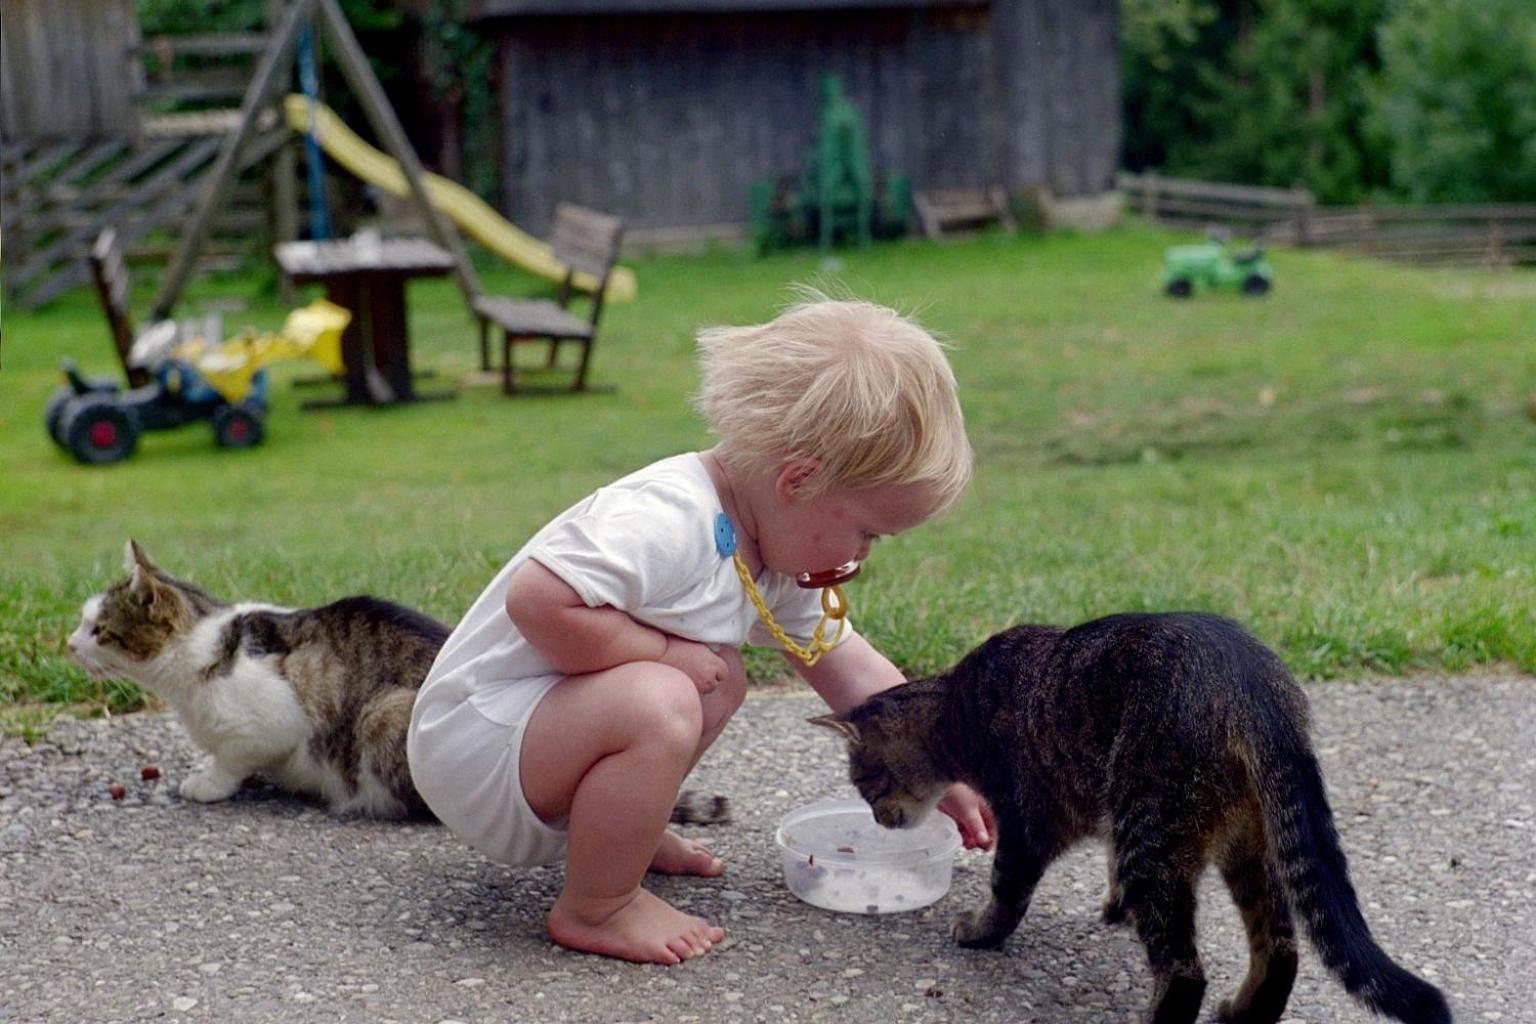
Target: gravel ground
x: 265, y: 909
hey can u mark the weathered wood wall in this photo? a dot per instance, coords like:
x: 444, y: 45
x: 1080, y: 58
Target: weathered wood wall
x: 666, y: 118
x: 66, y: 69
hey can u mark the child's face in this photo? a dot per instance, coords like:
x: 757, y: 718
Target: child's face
x: 824, y: 532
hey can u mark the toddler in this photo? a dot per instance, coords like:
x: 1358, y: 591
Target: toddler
x: 562, y: 715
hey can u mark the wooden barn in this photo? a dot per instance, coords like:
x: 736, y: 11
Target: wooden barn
x: 665, y: 111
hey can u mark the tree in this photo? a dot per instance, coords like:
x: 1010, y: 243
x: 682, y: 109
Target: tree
x: 1267, y: 92
x: 1165, y: 51
x: 1254, y: 91
x: 1454, y: 105
x: 1290, y: 102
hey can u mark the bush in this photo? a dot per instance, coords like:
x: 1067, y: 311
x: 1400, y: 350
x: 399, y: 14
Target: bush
x: 1454, y: 105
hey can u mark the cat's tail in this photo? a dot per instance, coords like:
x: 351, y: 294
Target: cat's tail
x: 1312, y: 866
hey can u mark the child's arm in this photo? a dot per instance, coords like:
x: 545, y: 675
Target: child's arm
x: 849, y: 673
x: 577, y: 639
x: 852, y: 671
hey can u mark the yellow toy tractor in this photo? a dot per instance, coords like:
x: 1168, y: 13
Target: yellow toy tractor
x: 191, y: 378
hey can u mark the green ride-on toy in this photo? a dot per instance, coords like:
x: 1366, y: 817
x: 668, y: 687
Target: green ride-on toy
x: 1188, y: 269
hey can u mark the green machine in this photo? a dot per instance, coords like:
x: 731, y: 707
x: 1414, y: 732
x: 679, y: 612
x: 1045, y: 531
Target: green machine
x: 1210, y: 266
x: 836, y: 198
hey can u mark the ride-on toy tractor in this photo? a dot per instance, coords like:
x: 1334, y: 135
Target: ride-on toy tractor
x: 1188, y: 269
x: 189, y: 378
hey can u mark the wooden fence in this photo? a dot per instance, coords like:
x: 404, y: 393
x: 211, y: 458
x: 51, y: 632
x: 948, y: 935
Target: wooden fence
x: 1180, y: 202
x: 55, y: 198
x: 1493, y: 235
x: 210, y: 68
x: 58, y: 193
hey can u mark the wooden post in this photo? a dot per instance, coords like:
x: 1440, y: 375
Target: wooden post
x: 359, y: 75
x: 1303, y: 216
x: 283, y: 210
x: 225, y: 167
x: 1149, y: 196
x: 282, y: 185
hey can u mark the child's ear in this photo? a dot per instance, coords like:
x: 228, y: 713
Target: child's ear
x: 837, y: 724
x: 794, y: 476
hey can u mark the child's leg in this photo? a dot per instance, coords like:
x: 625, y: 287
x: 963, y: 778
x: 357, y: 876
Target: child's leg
x: 608, y: 752
x: 676, y: 855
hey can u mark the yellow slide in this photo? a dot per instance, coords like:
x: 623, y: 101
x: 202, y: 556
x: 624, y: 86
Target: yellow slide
x: 475, y: 216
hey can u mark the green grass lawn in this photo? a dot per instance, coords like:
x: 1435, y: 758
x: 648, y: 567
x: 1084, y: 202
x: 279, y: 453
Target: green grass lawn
x: 1348, y: 465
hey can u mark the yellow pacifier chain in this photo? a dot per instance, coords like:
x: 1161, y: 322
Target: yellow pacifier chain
x: 834, y: 606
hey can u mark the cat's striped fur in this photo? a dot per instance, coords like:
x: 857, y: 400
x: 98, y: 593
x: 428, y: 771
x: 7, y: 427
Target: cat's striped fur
x: 1178, y: 738
x: 317, y: 700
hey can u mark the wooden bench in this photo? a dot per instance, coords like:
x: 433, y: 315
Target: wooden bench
x: 944, y: 210
x: 585, y: 241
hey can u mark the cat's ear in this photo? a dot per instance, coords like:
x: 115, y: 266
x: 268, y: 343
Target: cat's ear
x: 142, y: 570
x: 837, y: 724
x: 137, y: 565
x: 134, y: 558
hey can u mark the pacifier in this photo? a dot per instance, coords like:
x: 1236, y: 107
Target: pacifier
x: 827, y: 577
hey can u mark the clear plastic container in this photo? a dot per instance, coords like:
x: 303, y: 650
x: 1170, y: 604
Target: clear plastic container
x: 838, y: 858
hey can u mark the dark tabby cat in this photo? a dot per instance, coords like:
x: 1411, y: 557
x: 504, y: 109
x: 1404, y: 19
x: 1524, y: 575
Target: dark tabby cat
x: 317, y: 700
x: 1178, y: 738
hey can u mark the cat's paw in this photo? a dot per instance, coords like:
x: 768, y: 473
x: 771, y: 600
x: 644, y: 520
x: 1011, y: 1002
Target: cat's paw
x: 1245, y: 1011
x: 1113, y: 912
x: 971, y: 931
x: 208, y: 787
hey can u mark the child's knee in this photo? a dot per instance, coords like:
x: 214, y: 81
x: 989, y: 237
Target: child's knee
x: 663, y: 706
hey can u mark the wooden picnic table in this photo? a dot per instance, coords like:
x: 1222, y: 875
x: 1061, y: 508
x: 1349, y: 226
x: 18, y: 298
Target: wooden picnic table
x: 367, y: 275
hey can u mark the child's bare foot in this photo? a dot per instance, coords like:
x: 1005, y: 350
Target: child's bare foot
x: 643, y: 928
x: 679, y: 856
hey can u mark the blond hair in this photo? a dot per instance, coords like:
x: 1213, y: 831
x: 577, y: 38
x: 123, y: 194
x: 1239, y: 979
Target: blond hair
x: 861, y: 389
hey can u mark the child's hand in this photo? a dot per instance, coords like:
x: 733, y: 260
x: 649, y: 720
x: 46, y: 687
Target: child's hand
x: 978, y: 829
x: 696, y: 661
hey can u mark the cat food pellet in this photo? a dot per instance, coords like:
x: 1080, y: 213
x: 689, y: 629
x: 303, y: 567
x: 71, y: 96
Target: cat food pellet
x: 149, y: 772
x: 117, y: 790
x: 871, y: 908
x: 845, y: 849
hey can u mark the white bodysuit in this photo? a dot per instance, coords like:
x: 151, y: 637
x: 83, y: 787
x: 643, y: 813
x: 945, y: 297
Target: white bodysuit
x: 645, y: 544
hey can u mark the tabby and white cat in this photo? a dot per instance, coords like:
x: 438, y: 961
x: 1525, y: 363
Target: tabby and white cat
x: 317, y: 700
x: 1181, y: 740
